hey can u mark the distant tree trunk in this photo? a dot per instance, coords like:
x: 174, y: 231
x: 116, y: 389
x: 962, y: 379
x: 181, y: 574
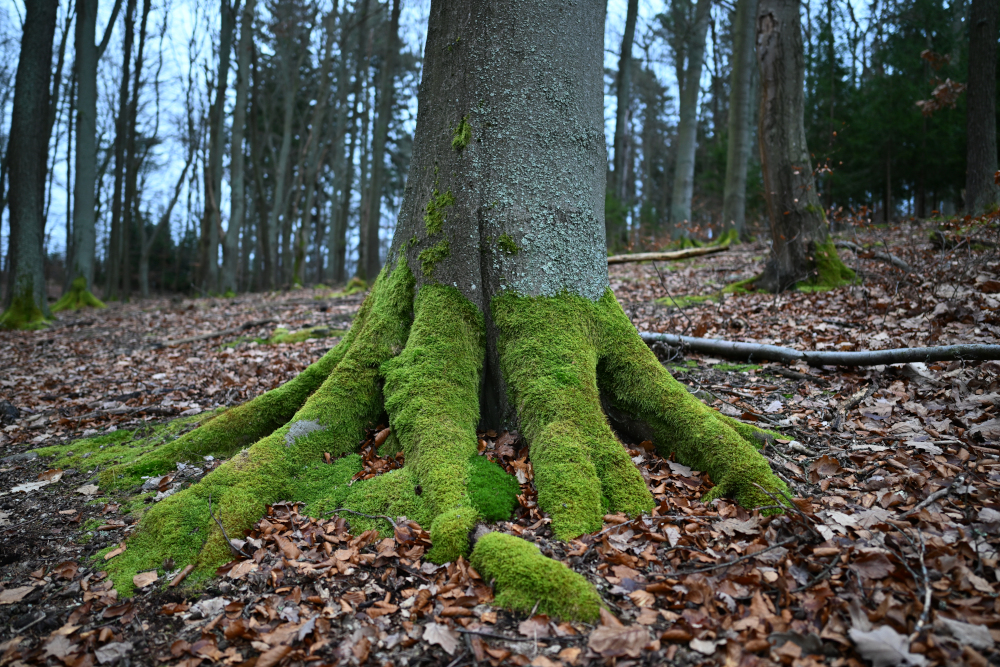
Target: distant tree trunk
x: 28, y: 149
x: 740, y: 110
x: 365, y: 155
x: 616, y: 231
x: 84, y: 203
x: 116, y: 245
x: 237, y: 209
x: 981, y: 191
x: 278, y: 207
x: 801, y: 249
x: 336, y: 238
x: 265, y: 278
x: 208, y: 255
x: 371, y: 260
x: 687, y: 128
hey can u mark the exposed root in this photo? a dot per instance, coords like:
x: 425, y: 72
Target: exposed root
x: 77, y: 297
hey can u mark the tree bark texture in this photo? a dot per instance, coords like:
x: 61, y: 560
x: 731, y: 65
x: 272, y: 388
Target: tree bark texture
x: 28, y: 150
x: 617, y: 231
x: 740, y: 111
x: 981, y: 191
x: 797, y: 221
x: 116, y: 242
x: 687, y: 128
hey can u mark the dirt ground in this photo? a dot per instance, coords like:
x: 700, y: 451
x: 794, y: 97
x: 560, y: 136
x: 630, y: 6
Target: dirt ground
x: 890, y: 558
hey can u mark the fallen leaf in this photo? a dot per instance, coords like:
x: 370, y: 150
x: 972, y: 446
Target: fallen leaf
x: 59, y: 646
x: 872, y: 566
x: 442, y: 635
x: 705, y: 646
x: 976, y: 636
x: 87, y: 489
x: 241, y: 569
x: 113, y: 652
x: 612, y: 642
x: 536, y: 627
x: 12, y: 595
x: 52, y: 475
x: 144, y: 579
x: 273, y: 656
x: 885, y: 647
x: 824, y: 466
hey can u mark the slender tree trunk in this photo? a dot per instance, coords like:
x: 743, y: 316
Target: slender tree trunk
x: 265, y: 278
x: 687, y: 128
x: 343, y: 216
x: 740, y: 111
x: 212, y: 221
x: 615, y: 223
x: 28, y: 149
x: 237, y: 209
x: 278, y: 205
x: 363, y: 213
x: 799, y: 235
x: 336, y: 238
x: 116, y: 245
x: 371, y: 260
x: 982, y: 193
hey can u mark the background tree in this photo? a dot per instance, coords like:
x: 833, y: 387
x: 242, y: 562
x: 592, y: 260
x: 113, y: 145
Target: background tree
x: 982, y: 192
x: 616, y: 207
x: 26, y: 303
x: 741, y: 104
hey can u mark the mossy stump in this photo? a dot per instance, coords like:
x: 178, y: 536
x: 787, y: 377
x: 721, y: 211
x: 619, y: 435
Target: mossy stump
x: 77, y: 297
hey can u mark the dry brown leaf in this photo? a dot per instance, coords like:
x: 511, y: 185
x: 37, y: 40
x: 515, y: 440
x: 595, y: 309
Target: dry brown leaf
x: 144, y: 579
x: 442, y: 635
x: 613, y: 642
x: 12, y: 595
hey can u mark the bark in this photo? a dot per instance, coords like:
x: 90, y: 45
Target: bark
x: 337, y: 236
x: 798, y: 227
x: 28, y: 149
x: 617, y: 231
x: 982, y: 193
x: 687, y: 128
x: 740, y: 111
x: 371, y: 260
x: 115, y: 244
x: 363, y: 67
x: 278, y: 206
x: 208, y: 246
x: 237, y: 209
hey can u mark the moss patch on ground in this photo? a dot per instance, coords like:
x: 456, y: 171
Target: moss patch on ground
x: 282, y: 336
x: 525, y: 578
x: 736, y: 368
x: 77, y: 297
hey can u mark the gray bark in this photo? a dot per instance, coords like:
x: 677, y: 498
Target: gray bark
x: 981, y: 192
x: 535, y: 167
x: 289, y: 89
x: 337, y: 237
x: 797, y: 221
x: 740, y: 110
x: 115, y: 245
x: 617, y: 232
x: 371, y: 260
x: 687, y: 128
x: 28, y: 149
x: 237, y: 209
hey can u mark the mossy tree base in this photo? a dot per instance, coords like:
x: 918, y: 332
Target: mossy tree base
x: 418, y: 359
x: 23, y: 313
x: 77, y: 297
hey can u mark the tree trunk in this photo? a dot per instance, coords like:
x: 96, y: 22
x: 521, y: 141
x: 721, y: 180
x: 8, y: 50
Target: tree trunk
x: 615, y: 224
x: 493, y: 308
x: 237, y: 209
x: 208, y: 247
x: 371, y: 260
x: 982, y: 193
x: 28, y: 149
x: 343, y: 172
x: 365, y: 209
x: 801, y: 249
x: 116, y: 242
x: 740, y: 110
x: 687, y: 128
x: 278, y: 205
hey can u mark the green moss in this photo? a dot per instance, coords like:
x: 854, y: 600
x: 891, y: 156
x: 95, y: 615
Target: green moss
x: 728, y: 237
x: 23, y: 313
x: 548, y: 350
x: 830, y: 271
x: 491, y: 490
x: 507, y: 244
x: 77, y: 297
x: 524, y: 578
x: 686, y: 300
x: 354, y: 286
x: 282, y: 336
x: 700, y: 437
x: 429, y: 257
x: 434, y: 217
x: 736, y: 368
x: 461, y: 135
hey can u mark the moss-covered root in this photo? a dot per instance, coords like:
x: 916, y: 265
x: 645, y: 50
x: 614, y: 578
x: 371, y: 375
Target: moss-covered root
x: 23, y: 313
x: 77, y: 297
x: 637, y: 384
x: 524, y: 578
x: 830, y: 269
x: 332, y: 419
x: 432, y: 397
x: 548, y: 356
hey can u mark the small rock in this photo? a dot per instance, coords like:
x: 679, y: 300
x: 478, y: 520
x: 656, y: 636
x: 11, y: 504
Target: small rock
x: 8, y: 413
x: 23, y: 456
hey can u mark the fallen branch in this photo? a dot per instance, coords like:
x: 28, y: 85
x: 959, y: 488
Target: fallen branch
x: 937, y: 495
x: 856, y: 399
x: 877, y: 254
x: 666, y: 256
x: 756, y: 352
x: 214, y: 334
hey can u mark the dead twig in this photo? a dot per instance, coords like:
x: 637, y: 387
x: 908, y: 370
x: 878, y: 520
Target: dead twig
x: 232, y: 547
x: 937, y: 495
x: 367, y: 516
x: 717, y: 566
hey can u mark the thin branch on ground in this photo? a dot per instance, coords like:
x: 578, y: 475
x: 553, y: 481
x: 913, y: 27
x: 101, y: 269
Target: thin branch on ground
x: 235, y: 549
x: 940, y: 493
x: 367, y: 516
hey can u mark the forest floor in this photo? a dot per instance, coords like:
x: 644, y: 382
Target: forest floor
x: 890, y: 557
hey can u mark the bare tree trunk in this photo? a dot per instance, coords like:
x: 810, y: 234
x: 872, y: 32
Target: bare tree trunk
x: 336, y: 238
x: 982, y: 193
x: 264, y: 256
x: 237, y: 209
x: 371, y: 260
x: 687, y: 128
x: 740, y: 110
x: 28, y: 148
x: 615, y: 224
x: 800, y: 245
x: 116, y: 245
x: 363, y: 64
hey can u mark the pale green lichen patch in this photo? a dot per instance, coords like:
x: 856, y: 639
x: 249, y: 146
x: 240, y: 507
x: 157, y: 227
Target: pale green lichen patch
x: 429, y: 257
x: 525, y: 578
x: 78, y: 296
x: 461, y: 135
x: 434, y: 217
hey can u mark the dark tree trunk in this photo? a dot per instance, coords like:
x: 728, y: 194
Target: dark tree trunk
x: 28, y: 150
x: 617, y: 232
x: 799, y: 234
x: 981, y: 191
x: 740, y: 111
x: 116, y: 242
x: 343, y: 166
